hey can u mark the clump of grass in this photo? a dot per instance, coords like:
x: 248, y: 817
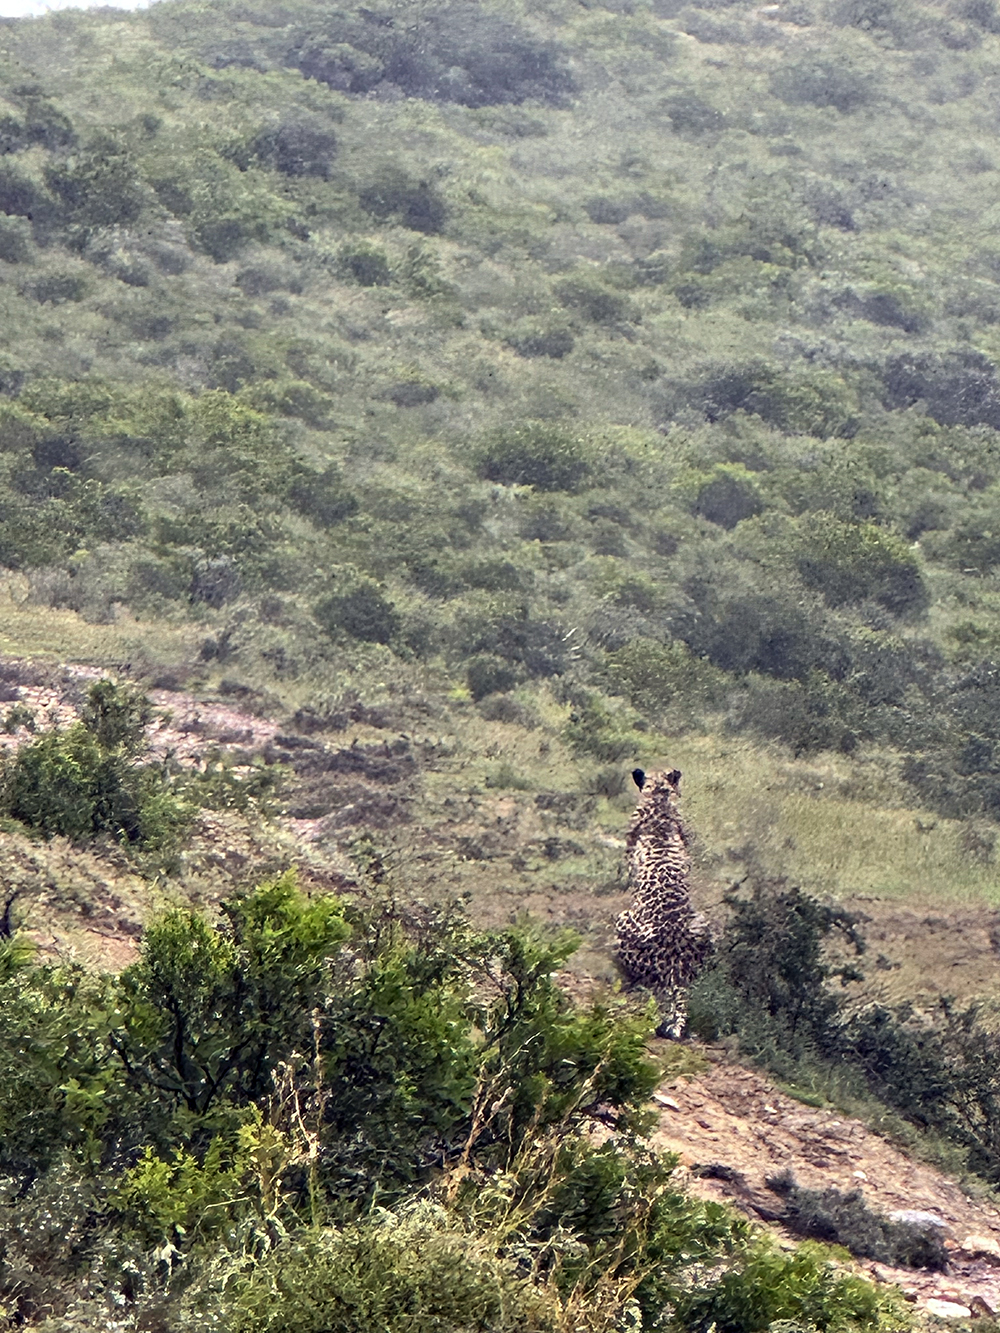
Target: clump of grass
x: 840, y: 1218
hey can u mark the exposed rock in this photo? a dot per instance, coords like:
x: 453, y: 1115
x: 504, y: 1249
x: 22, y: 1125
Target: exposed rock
x: 984, y: 1247
x: 947, y: 1309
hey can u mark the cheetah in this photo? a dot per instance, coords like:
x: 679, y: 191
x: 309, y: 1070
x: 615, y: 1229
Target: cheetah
x: 662, y: 943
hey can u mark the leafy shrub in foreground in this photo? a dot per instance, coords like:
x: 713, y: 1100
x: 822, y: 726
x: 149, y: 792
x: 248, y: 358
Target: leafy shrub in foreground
x: 418, y: 1272
x: 804, y: 1287
x: 208, y: 1011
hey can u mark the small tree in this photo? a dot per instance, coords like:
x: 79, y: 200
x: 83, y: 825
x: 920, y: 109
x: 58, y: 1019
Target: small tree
x: 768, y: 980
x: 208, y: 1010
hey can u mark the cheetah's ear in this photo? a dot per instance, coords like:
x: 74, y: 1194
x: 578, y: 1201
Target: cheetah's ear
x: 674, y: 778
x: 639, y: 778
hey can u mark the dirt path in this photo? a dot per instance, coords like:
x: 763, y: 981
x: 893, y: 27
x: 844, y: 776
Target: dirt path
x: 734, y: 1121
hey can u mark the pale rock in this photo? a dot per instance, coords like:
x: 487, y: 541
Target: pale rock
x: 947, y: 1309
x: 668, y: 1102
x: 915, y: 1218
x: 983, y: 1246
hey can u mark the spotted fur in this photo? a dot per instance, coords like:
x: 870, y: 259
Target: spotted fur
x: 662, y: 942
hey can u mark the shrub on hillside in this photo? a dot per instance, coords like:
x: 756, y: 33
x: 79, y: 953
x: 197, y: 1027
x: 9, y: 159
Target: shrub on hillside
x: 367, y: 264
x: 957, y: 387
x: 83, y: 781
x: 454, y: 52
x: 486, y: 674
x: 297, y: 147
x: 815, y: 714
x: 98, y: 186
x: 394, y: 196
x: 768, y: 980
x: 543, y: 454
x: 776, y: 633
x: 533, y: 338
x: 663, y: 677
x: 363, y: 612
x: 839, y: 1218
x: 824, y: 81
x: 15, y: 240
x: 728, y: 496
x: 850, y: 562
x: 803, y: 401
x: 20, y: 196
x: 595, y: 300
x: 209, y: 1011
x: 419, y: 1272
x: 322, y: 497
x: 503, y: 627
x: 804, y: 1290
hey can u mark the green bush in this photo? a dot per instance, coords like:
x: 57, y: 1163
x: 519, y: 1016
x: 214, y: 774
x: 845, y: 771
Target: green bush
x: 420, y: 1272
x: 534, y: 338
x: 728, y: 496
x: 815, y: 714
x: 209, y: 1010
x: 806, y: 401
x: 322, y: 496
x: 453, y: 52
x: 82, y: 781
x: 299, y: 146
x: 805, y: 1288
x: 98, y: 186
x: 768, y: 979
x: 596, y: 301
x: 608, y: 734
x: 658, y: 678
x: 367, y: 264
x: 489, y: 675
x: 394, y: 196
x: 825, y: 81
x: 848, y: 562
x: 363, y: 612
x: 543, y: 454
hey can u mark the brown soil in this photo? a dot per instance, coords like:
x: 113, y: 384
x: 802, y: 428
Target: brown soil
x: 735, y: 1122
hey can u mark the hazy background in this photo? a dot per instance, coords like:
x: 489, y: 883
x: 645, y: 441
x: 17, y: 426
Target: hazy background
x: 15, y: 9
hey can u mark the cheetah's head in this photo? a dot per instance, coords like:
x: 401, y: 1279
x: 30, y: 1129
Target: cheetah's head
x: 662, y: 780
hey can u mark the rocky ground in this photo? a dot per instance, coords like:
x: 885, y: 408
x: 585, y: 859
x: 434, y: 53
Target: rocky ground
x: 356, y: 771
x: 733, y: 1129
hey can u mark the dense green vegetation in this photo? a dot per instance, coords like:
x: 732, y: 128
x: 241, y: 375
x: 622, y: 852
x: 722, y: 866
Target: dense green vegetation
x: 310, y: 1115
x: 608, y: 373
x: 428, y: 335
